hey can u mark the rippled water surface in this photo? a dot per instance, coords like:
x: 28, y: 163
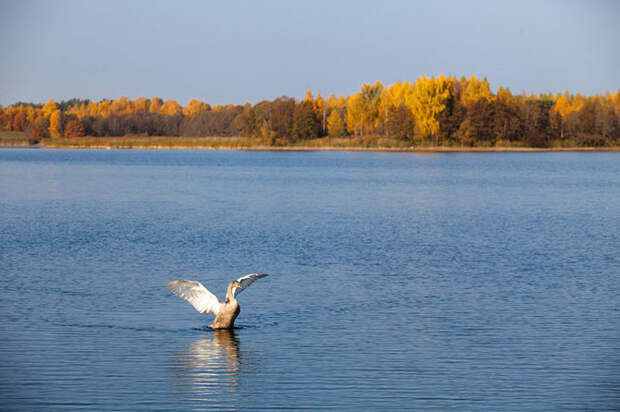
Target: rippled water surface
x: 397, y: 281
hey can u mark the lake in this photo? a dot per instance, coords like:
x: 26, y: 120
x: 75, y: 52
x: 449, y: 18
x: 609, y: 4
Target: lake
x: 459, y: 281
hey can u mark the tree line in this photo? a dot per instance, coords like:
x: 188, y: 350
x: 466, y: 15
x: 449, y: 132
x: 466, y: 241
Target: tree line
x: 432, y: 110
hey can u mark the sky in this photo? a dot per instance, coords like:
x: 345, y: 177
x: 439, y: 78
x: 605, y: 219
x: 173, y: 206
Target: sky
x: 236, y: 51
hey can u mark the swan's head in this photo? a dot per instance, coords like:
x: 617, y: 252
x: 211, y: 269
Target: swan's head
x: 232, y: 289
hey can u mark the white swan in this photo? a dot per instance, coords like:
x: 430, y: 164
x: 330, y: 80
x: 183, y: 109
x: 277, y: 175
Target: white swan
x: 206, y: 302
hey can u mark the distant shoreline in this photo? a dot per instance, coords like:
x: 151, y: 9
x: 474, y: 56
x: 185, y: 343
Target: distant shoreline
x: 425, y: 149
x: 351, y: 144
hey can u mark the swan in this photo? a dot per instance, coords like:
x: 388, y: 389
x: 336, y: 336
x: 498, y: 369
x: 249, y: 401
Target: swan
x: 206, y: 302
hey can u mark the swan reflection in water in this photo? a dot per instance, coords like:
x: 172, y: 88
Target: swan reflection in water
x: 209, y: 367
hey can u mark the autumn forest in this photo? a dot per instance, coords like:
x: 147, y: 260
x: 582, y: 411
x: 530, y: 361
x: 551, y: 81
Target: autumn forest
x: 432, y: 111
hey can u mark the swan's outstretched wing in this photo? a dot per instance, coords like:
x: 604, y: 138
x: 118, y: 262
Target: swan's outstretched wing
x: 196, y: 294
x: 246, y: 281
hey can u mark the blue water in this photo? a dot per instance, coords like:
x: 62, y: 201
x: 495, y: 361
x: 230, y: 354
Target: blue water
x: 397, y: 281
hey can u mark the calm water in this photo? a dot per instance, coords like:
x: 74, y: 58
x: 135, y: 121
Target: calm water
x: 398, y: 281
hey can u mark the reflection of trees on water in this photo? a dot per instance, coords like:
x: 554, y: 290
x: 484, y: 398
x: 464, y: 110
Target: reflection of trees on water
x: 208, y: 369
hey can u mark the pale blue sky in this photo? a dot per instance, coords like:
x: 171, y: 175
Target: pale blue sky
x: 232, y: 51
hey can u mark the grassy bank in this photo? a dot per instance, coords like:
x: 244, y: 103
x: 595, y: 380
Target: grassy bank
x: 15, y: 139
x: 371, y: 143
x: 250, y: 143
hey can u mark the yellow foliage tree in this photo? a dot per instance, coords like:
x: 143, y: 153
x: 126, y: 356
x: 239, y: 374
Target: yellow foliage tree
x: 121, y: 106
x: 398, y: 94
x: 565, y: 105
x: 476, y: 90
x: 402, y: 93
x: 339, y: 102
x: 387, y: 102
x: 193, y: 108
x: 155, y: 105
x: 355, y: 115
x: 170, y: 107
x: 80, y: 111
x: 335, y: 124
x: 504, y: 94
x: 103, y: 108
x: 140, y: 105
x: 320, y: 111
x: 371, y: 102
x: 317, y: 105
x: 91, y: 109
x: 428, y: 100
x: 562, y: 106
x: 32, y: 114
x: 56, y: 123
x: 49, y: 108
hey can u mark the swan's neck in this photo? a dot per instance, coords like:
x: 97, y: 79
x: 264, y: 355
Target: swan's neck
x: 229, y: 294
